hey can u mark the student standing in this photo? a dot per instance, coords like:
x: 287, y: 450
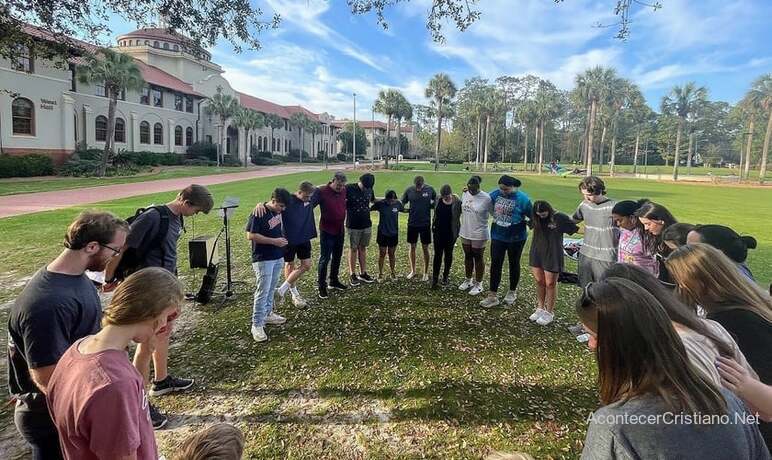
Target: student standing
x: 727, y: 241
x: 388, y: 231
x: 58, y: 306
x: 632, y: 248
x: 445, y: 227
x: 421, y: 198
x: 359, y: 198
x: 655, y: 218
x: 476, y: 207
x: 96, y: 396
x: 676, y: 235
x: 511, y: 211
x: 546, y: 257
x: 268, y: 242
x: 332, y: 203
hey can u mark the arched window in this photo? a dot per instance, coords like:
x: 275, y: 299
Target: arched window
x: 158, y: 134
x: 23, y: 114
x: 176, y: 48
x: 166, y: 46
x: 147, y: 42
x: 155, y: 43
x: 265, y: 142
x: 101, y: 128
x: 144, y: 133
x: 273, y: 144
x: 259, y: 144
x: 188, y: 136
x: 178, y: 135
x: 120, y: 130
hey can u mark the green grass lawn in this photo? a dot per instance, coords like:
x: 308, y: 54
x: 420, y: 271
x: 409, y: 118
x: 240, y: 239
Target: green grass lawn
x: 53, y: 183
x: 390, y: 370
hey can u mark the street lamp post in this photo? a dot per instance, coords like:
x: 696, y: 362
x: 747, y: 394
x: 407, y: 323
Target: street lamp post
x: 372, y: 135
x: 354, y: 134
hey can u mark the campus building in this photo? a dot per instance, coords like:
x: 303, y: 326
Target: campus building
x: 45, y: 110
x: 376, y: 132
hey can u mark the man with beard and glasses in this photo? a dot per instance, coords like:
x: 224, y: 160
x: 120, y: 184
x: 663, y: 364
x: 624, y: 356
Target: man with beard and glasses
x: 57, y: 307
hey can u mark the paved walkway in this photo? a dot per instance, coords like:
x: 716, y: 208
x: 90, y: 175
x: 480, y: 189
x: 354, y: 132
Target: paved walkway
x: 15, y: 205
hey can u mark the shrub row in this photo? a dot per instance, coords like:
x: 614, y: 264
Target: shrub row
x: 26, y: 166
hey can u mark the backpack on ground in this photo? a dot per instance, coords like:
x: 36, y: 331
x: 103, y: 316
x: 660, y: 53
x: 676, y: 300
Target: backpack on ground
x: 133, y: 259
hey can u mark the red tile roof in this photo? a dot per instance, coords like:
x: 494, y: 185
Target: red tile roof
x: 158, y: 77
x: 261, y: 105
x: 365, y: 124
x: 297, y: 108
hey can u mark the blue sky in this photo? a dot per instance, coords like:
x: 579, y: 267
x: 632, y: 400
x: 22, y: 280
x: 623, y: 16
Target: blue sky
x: 321, y: 54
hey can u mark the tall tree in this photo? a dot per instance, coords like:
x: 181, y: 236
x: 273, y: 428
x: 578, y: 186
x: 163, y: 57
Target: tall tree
x: 760, y: 96
x: 300, y: 121
x: 442, y: 91
x: 404, y: 112
x: 118, y: 73
x: 593, y: 85
x: 224, y: 106
x: 547, y: 103
x: 388, y: 103
x: 273, y: 121
x: 682, y: 101
x: 250, y: 121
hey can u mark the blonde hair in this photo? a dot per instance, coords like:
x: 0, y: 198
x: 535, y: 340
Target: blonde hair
x: 707, y: 277
x: 218, y: 442
x: 144, y: 295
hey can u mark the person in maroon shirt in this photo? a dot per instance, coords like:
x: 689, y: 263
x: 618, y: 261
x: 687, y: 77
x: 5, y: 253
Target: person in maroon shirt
x: 96, y: 397
x: 332, y: 201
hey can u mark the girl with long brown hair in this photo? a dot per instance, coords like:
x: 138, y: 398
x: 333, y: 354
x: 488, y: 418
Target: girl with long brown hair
x: 645, y: 375
x: 655, y: 218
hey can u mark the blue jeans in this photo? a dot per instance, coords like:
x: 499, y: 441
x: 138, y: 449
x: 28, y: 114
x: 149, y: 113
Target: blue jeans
x: 268, y: 273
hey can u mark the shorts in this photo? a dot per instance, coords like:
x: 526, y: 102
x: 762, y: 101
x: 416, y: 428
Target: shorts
x: 302, y: 251
x: 387, y: 241
x: 414, y: 232
x: 476, y: 244
x: 359, y: 237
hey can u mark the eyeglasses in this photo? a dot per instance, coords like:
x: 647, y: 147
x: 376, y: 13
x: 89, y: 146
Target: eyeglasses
x: 115, y: 251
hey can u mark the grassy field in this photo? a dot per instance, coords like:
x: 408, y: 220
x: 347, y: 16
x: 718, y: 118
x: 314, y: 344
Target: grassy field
x: 53, y: 183
x: 390, y: 370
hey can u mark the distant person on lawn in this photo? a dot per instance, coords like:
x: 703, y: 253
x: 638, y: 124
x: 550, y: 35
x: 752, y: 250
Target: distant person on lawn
x: 421, y: 197
x: 96, y: 396
x: 474, y: 233
x: 156, y: 250
x: 359, y: 198
x: 57, y: 307
x: 266, y: 233
x: 388, y: 231
x: 332, y: 233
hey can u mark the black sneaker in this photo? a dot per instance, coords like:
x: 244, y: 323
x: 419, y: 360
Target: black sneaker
x: 338, y: 285
x: 366, y: 278
x: 170, y: 384
x: 576, y: 330
x: 323, y: 292
x: 445, y: 282
x: 435, y: 286
x: 158, y: 419
x: 354, y: 280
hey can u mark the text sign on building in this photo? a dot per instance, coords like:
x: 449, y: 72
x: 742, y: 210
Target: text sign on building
x: 47, y: 104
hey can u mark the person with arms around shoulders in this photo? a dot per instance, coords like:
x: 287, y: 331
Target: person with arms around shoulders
x: 445, y: 227
x: 58, y: 306
x: 332, y: 203
x: 546, y: 257
x: 631, y: 248
x: 422, y: 198
x: 359, y: 198
x: 476, y: 207
x: 388, y: 231
x: 96, y: 396
x: 727, y: 241
x: 512, y: 210
x: 655, y: 218
x: 644, y: 374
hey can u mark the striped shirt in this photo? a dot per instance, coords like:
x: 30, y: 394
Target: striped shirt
x: 600, y: 234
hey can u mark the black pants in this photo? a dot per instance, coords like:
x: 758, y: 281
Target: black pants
x: 331, y: 249
x: 39, y: 431
x: 443, y: 249
x: 513, y: 251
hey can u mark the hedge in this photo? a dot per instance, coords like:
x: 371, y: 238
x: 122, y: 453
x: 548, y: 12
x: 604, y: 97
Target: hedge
x: 26, y: 166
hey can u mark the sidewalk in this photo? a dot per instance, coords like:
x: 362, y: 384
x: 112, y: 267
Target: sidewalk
x: 15, y: 205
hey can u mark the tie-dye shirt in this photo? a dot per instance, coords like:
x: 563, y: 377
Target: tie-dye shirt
x: 631, y: 250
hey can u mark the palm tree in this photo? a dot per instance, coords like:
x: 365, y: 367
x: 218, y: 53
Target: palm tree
x: 314, y: 127
x: 387, y: 103
x: 442, y: 90
x: 640, y: 114
x: 118, y: 73
x: 526, y: 113
x: 682, y: 101
x: 404, y: 111
x: 250, y: 121
x: 760, y: 96
x: 621, y: 96
x: 224, y: 106
x: 547, y: 107
x: 300, y: 121
x: 273, y: 121
x: 593, y: 85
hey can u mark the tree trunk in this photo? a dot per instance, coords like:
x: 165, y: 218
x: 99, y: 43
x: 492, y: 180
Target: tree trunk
x: 487, y: 127
x: 689, y: 155
x: 677, y: 155
x: 765, y: 150
x: 388, y: 132
x: 113, y: 97
x: 439, y: 136
x: 478, y: 145
x: 589, y: 139
x: 399, y: 144
x: 635, y: 155
x: 273, y: 144
x: 748, y: 150
x: 600, y: 151
x: 613, y: 148
x: 525, y: 150
x: 541, y: 147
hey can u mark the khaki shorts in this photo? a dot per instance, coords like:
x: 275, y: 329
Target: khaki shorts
x: 359, y: 237
x: 476, y: 244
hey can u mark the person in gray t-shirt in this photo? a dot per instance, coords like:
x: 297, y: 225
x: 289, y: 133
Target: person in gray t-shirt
x: 599, y: 248
x: 656, y: 404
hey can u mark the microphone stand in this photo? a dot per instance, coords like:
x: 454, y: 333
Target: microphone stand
x: 229, y: 280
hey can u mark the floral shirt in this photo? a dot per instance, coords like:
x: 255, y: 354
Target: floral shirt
x: 631, y: 250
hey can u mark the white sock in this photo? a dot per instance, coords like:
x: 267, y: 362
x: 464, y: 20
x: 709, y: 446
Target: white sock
x: 284, y: 288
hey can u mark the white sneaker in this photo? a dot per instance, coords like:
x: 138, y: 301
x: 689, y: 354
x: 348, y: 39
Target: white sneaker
x: 465, y: 285
x: 582, y: 338
x: 536, y: 314
x: 490, y: 301
x: 258, y: 333
x: 275, y: 319
x: 510, y: 298
x: 410, y: 275
x: 425, y: 278
x: 298, y: 301
x: 545, y: 318
x: 477, y: 289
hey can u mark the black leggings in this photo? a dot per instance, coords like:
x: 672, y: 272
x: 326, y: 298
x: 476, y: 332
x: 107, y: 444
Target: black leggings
x: 442, y: 246
x: 474, y: 262
x: 513, y: 251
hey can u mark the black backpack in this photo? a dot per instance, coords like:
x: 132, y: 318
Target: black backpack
x: 133, y: 259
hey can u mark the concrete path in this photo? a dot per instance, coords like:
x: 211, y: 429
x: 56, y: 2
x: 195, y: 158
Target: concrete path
x: 15, y: 205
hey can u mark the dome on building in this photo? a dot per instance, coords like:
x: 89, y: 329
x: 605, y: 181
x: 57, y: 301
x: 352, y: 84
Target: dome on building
x: 164, y: 39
